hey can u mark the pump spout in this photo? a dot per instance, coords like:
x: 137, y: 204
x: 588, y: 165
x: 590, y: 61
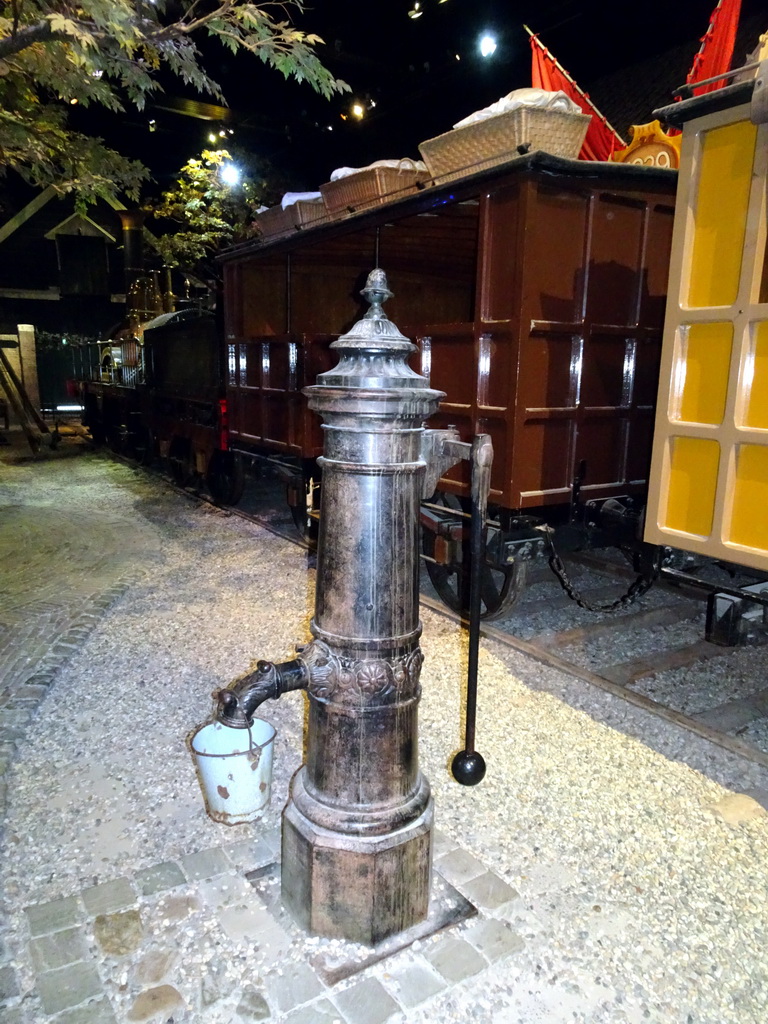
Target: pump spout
x: 237, y: 703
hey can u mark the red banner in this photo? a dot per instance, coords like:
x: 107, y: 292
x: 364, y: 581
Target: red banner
x: 716, y: 53
x: 601, y: 140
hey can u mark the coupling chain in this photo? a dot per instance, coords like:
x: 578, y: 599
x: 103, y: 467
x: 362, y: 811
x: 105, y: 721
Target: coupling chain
x: 639, y: 586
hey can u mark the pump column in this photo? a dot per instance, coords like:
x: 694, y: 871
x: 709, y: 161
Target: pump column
x: 357, y: 827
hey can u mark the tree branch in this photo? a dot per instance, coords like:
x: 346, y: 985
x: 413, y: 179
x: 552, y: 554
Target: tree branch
x: 18, y: 41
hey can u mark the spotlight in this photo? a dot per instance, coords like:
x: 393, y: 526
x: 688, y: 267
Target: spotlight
x: 487, y: 45
x: 358, y: 110
x: 230, y: 174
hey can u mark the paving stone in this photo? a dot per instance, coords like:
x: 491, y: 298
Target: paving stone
x: 459, y: 866
x: 296, y: 984
x: 6, y: 750
x: 253, y: 923
x: 10, y: 734
x: 58, y: 949
x: 69, y: 986
x: 9, y: 983
x: 321, y: 1012
x: 32, y: 691
x: 14, y: 718
x: 159, y: 878
x: 415, y: 983
x: 53, y: 916
x: 153, y: 966
x: 442, y: 844
x: 158, y: 1000
x: 252, y: 1005
x: 215, y: 984
x: 366, y: 1002
x: 17, y: 1015
x: 97, y: 1012
x: 273, y: 837
x: 175, y: 908
x: 488, y: 891
x: 224, y: 890
x: 119, y: 934
x: 493, y: 939
x: 205, y: 864
x: 455, y: 959
x: 248, y: 855
x: 109, y: 897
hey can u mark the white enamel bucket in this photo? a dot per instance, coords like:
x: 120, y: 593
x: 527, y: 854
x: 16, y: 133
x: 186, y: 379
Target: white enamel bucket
x: 235, y: 769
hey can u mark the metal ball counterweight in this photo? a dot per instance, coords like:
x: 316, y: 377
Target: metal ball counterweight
x: 468, y: 767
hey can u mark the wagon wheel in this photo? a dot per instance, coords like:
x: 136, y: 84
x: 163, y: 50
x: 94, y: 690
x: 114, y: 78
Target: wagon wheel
x: 140, y: 443
x: 304, y: 503
x: 180, y: 463
x: 97, y: 431
x: 116, y: 438
x: 225, y: 477
x: 501, y: 585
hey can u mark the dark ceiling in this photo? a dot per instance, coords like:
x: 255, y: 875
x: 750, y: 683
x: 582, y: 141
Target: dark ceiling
x: 409, y: 69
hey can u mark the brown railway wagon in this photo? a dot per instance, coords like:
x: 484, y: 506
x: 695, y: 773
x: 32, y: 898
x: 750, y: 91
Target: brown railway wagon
x: 535, y: 293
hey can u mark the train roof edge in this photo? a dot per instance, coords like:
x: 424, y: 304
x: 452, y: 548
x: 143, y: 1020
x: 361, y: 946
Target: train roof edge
x: 536, y: 162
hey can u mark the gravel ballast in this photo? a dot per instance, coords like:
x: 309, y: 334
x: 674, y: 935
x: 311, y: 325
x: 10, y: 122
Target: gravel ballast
x: 635, y: 883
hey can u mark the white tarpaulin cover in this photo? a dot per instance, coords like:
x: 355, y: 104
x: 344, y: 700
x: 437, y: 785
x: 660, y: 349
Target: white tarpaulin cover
x: 523, y: 98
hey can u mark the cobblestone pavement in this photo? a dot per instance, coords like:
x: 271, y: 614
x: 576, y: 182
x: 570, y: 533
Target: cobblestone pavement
x: 107, y: 952
x: 590, y: 878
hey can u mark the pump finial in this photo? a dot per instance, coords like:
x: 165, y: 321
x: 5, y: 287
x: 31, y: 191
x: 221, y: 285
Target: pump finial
x: 376, y: 291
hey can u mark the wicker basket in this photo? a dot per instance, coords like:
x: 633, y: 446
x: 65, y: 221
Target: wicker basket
x: 488, y: 143
x: 274, y: 222
x: 307, y: 212
x: 304, y: 213
x: 371, y: 187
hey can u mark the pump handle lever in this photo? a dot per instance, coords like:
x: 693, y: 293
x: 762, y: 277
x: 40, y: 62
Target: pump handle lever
x: 468, y: 766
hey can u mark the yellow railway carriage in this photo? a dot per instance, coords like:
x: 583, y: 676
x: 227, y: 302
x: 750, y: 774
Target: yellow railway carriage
x: 708, y: 490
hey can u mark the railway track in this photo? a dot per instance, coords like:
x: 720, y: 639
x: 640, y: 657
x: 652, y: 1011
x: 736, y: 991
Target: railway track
x: 651, y: 654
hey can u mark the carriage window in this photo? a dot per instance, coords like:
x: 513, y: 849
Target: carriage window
x: 762, y: 295
x: 720, y: 217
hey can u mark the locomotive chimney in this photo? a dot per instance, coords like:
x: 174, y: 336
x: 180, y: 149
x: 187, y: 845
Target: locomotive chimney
x: 133, y: 246
x: 357, y: 828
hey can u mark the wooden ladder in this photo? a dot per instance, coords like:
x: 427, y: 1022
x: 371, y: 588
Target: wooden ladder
x: 32, y: 423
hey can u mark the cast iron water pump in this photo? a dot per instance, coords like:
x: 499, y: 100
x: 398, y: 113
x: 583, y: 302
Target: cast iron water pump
x: 356, y: 859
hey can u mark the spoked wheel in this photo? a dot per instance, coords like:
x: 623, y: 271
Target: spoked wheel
x: 226, y: 477
x: 449, y: 571
x: 304, y: 503
x: 140, y: 444
x: 97, y: 432
x: 180, y: 462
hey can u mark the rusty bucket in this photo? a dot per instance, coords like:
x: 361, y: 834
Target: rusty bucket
x: 234, y: 768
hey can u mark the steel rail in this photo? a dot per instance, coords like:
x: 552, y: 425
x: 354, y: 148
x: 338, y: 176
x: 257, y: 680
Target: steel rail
x: 730, y: 743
